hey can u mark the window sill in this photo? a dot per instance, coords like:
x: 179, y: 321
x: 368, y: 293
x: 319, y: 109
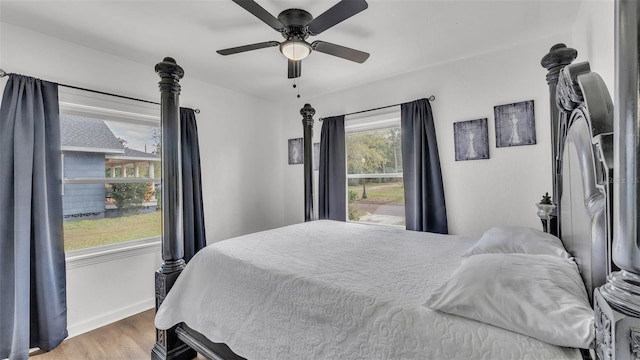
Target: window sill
x: 379, y: 223
x: 98, y: 254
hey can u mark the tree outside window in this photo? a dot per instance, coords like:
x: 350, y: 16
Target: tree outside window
x: 374, y: 172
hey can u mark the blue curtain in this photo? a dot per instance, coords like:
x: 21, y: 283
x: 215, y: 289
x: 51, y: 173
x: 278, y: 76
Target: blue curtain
x: 193, y: 212
x: 423, y: 190
x: 332, y: 170
x: 33, y: 311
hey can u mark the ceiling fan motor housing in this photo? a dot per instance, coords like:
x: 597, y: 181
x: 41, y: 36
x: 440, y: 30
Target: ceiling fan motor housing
x: 295, y: 22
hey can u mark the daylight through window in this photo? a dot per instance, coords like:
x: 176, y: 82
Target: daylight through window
x: 375, y: 190
x: 111, y: 181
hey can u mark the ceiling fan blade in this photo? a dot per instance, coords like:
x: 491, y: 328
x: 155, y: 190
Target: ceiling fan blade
x: 294, y: 68
x: 259, y: 12
x: 239, y: 49
x: 336, y: 14
x: 340, y: 51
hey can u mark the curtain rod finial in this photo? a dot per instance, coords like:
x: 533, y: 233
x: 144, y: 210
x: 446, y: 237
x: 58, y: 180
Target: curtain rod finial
x: 2, y: 73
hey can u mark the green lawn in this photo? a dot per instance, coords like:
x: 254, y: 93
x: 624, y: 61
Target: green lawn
x: 88, y: 233
x: 381, y: 193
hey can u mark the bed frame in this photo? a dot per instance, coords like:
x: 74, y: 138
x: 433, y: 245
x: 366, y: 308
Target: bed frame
x: 595, y: 162
x: 584, y: 160
x: 617, y: 303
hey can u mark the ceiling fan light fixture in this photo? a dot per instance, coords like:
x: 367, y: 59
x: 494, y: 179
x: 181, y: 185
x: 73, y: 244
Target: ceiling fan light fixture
x: 295, y: 49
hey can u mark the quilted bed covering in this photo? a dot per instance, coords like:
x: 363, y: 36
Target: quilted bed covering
x: 335, y: 290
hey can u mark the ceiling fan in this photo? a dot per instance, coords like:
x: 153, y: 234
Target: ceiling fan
x: 296, y: 26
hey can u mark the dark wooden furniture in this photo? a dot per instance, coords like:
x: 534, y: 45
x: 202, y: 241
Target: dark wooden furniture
x: 617, y: 303
x: 584, y: 163
x: 307, y: 113
x: 168, y: 346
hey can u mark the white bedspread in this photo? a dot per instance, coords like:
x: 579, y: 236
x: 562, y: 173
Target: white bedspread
x: 334, y: 290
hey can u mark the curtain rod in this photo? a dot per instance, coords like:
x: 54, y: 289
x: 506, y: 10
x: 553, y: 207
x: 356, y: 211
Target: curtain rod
x: 430, y: 98
x: 4, y: 73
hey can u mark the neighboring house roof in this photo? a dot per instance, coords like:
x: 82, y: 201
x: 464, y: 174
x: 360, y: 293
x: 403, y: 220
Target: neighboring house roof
x: 130, y: 154
x: 88, y: 135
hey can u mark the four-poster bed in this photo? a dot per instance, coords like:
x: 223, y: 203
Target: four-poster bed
x: 588, y: 219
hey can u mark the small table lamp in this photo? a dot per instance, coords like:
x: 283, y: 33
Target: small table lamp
x: 545, y: 208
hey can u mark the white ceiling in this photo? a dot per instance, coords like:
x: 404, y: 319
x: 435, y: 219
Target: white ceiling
x: 401, y: 36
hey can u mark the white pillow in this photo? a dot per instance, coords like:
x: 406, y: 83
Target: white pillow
x: 518, y: 240
x: 540, y: 296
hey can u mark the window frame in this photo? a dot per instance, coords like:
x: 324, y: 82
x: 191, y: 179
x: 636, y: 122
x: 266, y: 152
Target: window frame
x: 81, y: 103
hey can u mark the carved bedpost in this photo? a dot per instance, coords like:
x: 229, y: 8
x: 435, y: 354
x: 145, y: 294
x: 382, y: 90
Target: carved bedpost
x: 558, y: 57
x: 168, y: 346
x: 307, y: 113
x: 617, y: 303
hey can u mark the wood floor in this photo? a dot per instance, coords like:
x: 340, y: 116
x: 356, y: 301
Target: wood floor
x: 128, y: 339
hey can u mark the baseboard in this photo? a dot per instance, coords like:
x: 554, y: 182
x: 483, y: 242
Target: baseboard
x: 110, y: 317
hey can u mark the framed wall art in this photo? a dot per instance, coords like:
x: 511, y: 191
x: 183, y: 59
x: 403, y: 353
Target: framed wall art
x: 295, y: 151
x: 471, y: 139
x: 515, y: 124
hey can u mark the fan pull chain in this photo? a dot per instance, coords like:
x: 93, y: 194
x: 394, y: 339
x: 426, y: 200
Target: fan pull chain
x: 296, y: 86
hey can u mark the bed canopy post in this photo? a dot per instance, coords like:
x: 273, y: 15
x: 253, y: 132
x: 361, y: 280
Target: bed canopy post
x: 168, y: 346
x: 558, y: 57
x: 617, y: 303
x: 307, y: 113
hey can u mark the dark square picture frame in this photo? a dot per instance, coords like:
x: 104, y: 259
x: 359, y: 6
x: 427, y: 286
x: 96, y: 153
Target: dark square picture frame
x: 515, y: 124
x: 295, y: 152
x: 471, y: 139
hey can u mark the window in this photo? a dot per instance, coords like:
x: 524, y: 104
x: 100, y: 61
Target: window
x: 375, y: 190
x: 111, y: 167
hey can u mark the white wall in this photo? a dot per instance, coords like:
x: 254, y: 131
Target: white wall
x: 593, y: 37
x: 480, y: 193
x: 239, y: 144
